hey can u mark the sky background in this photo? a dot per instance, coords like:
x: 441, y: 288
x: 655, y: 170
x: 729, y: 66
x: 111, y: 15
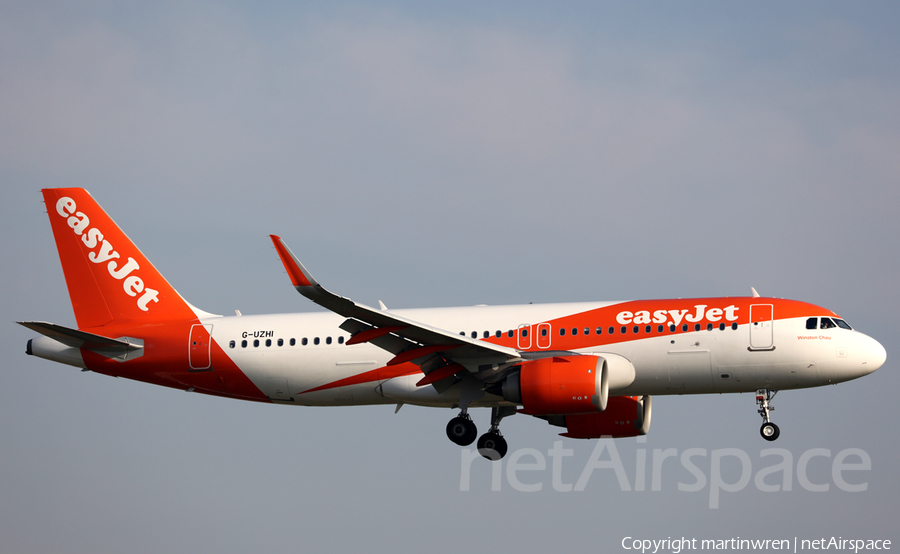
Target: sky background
x: 429, y: 154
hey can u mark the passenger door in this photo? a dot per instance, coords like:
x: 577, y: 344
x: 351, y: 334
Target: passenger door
x: 761, y: 331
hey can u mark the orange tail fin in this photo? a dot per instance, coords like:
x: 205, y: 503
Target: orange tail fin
x: 109, y: 279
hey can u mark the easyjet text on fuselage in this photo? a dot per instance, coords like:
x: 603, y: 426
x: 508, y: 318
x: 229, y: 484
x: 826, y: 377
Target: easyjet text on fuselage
x: 675, y: 317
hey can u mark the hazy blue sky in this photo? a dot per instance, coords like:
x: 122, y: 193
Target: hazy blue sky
x: 430, y: 154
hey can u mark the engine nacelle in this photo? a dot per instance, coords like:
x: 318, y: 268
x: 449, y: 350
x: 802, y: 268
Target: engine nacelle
x: 562, y: 385
x: 625, y: 416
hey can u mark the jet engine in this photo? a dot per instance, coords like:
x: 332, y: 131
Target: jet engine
x: 625, y: 416
x: 562, y: 385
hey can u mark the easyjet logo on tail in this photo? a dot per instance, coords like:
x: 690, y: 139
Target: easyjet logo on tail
x: 102, y: 251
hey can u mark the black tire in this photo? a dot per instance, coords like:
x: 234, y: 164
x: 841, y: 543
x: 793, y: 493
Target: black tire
x: 769, y: 431
x: 461, y: 431
x: 492, y: 446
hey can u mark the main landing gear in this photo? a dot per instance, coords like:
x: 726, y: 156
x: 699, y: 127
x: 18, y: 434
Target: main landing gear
x: 462, y: 431
x: 769, y: 430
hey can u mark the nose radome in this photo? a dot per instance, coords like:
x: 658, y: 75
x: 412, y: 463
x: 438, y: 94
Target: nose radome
x: 875, y: 355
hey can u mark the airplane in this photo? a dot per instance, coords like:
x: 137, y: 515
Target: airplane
x: 590, y: 367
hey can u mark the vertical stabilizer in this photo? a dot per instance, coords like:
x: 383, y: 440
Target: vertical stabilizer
x: 109, y: 279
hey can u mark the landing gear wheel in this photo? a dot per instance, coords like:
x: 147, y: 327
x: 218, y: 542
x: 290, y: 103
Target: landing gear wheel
x: 462, y: 431
x: 492, y: 446
x: 769, y: 431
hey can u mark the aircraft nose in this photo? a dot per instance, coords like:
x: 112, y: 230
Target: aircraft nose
x: 875, y: 355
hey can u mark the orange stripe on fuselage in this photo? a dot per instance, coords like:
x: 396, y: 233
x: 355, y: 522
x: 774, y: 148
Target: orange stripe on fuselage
x: 686, y: 312
x: 380, y: 374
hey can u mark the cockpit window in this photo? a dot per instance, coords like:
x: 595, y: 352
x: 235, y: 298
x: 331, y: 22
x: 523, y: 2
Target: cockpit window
x: 812, y: 323
x: 842, y: 324
x: 827, y: 323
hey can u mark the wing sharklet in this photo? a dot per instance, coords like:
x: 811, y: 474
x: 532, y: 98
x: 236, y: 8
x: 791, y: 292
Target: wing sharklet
x: 419, y: 333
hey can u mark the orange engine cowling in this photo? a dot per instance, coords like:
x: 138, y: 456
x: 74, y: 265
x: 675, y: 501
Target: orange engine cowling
x: 560, y: 385
x: 625, y: 416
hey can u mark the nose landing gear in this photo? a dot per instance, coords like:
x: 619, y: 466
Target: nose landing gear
x: 769, y: 430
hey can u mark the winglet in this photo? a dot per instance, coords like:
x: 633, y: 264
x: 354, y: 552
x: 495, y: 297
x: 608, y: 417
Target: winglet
x: 300, y: 277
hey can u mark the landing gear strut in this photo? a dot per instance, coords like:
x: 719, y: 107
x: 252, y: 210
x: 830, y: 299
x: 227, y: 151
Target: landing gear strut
x: 769, y: 430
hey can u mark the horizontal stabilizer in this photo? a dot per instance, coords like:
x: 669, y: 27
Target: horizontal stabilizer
x: 79, y: 339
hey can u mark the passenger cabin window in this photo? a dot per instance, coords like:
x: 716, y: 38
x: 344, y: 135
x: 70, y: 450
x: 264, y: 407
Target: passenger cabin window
x: 231, y: 344
x: 498, y: 334
x: 327, y: 340
x: 486, y: 334
x: 599, y: 330
x: 587, y: 331
x: 305, y: 341
x: 268, y: 342
x: 293, y: 342
x: 562, y: 331
x: 340, y: 340
x: 510, y: 333
x: 243, y: 344
x: 543, y: 331
x: 280, y: 342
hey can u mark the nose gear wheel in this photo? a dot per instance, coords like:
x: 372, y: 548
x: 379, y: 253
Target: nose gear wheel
x: 769, y: 430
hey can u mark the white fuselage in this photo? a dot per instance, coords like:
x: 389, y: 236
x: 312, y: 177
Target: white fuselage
x: 694, y: 362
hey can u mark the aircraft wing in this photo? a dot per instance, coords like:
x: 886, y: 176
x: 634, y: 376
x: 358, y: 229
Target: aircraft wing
x: 410, y: 341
